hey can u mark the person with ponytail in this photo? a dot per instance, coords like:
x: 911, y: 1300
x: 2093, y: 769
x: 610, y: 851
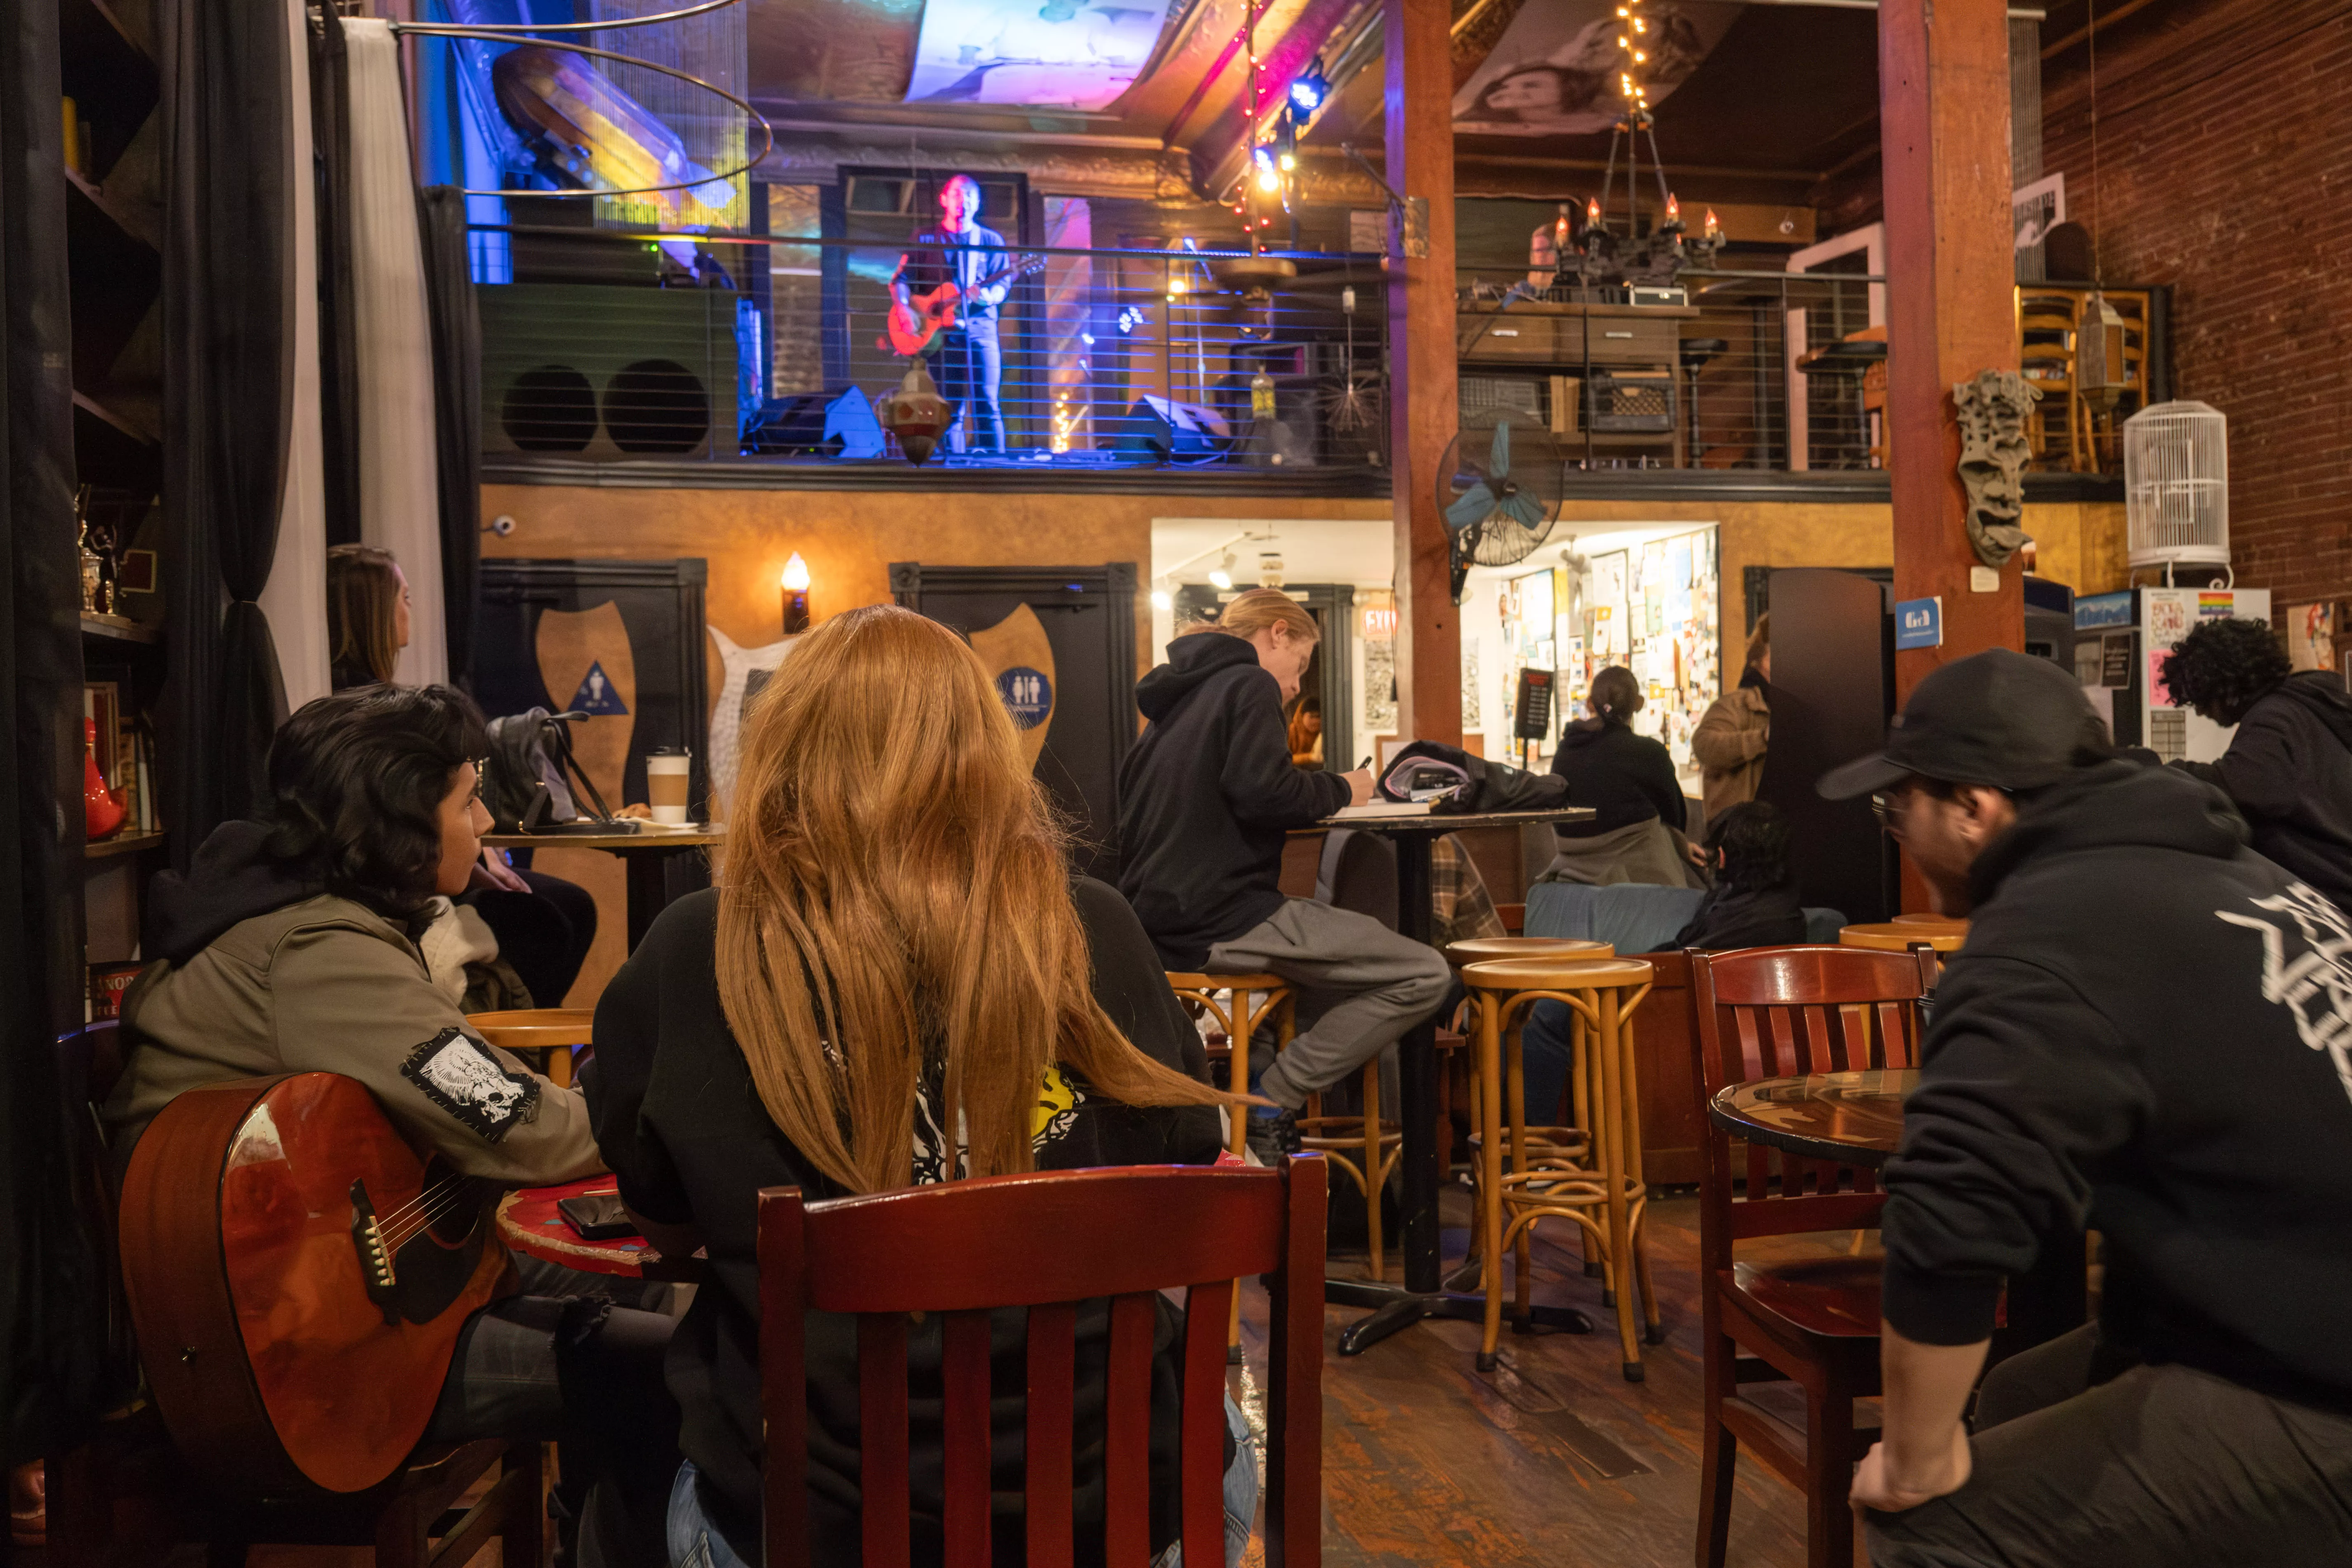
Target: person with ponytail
x: 895, y: 982
x: 1629, y: 780
x: 1206, y: 798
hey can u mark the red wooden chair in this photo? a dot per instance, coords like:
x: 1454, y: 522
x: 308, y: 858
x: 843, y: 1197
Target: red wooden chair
x: 1779, y: 1012
x: 1047, y: 1242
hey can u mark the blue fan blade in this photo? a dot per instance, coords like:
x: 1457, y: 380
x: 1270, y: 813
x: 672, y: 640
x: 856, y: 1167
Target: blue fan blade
x: 1526, y: 508
x: 1472, y: 509
x: 1499, y: 460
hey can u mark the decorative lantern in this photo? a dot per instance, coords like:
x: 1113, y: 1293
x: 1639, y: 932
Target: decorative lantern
x: 2099, y: 371
x: 916, y: 414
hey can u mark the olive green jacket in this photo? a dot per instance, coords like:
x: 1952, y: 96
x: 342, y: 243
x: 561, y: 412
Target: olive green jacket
x: 328, y: 986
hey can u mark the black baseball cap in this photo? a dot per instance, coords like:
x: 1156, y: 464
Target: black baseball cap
x: 1994, y: 718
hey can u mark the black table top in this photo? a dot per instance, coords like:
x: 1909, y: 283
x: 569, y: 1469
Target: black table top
x: 1436, y: 822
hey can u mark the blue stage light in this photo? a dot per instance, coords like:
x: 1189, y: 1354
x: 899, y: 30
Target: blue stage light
x: 1307, y: 93
x: 1130, y: 318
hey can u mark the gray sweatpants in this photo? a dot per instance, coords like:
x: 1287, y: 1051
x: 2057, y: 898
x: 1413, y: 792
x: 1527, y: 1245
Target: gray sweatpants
x: 2164, y: 1466
x: 1362, y: 983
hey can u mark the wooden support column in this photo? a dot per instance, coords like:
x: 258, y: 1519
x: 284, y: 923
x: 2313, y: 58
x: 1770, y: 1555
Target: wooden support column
x: 1421, y: 392
x: 1943, y: 97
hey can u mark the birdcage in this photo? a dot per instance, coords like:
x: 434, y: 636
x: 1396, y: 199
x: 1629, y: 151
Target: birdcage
x: 2176, y: 485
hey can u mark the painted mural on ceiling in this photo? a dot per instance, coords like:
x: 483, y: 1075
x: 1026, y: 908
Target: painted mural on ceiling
x: 1045, y: 54
x: 1554, y: 72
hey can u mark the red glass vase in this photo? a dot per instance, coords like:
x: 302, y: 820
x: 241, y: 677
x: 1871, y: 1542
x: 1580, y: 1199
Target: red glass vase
x: 102, y: 808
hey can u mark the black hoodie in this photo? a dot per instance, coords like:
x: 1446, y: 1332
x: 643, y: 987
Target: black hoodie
x: 2150, y: 1033
x: 2289, y: 769
x: 1206, y: 796
x: 1627, y: 778
x: 229, y: 881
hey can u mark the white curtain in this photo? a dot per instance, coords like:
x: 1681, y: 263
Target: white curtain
x: 296, y: 598
x: 399, y: 503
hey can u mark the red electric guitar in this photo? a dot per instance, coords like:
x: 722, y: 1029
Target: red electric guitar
x: 915, y: 321
x: 297, y: 1280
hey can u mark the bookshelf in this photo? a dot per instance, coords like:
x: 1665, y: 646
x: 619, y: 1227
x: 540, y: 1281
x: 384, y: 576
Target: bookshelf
x: 112, y: 149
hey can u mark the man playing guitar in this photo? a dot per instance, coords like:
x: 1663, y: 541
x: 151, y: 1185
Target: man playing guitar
x: 968, y: 363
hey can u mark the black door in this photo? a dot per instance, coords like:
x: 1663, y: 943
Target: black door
x: 1084, y: 703
x: 1833, y: 688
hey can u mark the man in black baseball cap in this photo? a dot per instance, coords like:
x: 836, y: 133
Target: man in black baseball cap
x: 2148, y: 1032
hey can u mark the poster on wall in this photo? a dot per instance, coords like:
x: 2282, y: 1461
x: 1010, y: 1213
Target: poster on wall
x: 1064, y: 54
x: 1555, y: 70
x: 2035, y: 209
x: 2311, y: 634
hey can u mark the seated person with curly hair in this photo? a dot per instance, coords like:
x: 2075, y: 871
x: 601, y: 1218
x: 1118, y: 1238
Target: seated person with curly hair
x: 2289, y: 767
x: 291, y: 946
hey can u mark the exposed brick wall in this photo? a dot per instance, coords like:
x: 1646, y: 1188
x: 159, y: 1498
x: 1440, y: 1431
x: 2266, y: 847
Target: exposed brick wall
x: 2225, y: 170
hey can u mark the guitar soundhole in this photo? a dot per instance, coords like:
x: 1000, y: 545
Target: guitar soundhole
x: 461, y: 1213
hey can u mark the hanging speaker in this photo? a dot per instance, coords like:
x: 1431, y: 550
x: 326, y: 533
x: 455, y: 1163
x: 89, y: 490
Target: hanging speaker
x: 608, y: 372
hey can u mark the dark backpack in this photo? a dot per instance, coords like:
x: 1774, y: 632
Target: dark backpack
x: 1477, y: 784
x: 524, y: 783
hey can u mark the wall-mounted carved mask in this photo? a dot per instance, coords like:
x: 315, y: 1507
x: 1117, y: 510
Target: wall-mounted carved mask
x: 1993, y: 410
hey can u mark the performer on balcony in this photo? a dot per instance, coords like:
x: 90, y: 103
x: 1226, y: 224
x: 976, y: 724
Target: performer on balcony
x: 967, y: 362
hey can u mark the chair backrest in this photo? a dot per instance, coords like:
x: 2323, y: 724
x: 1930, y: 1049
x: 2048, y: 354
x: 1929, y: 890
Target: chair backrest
x: 1781, y: 1012
x: 1359, y: 873
x: 1047, y: 1242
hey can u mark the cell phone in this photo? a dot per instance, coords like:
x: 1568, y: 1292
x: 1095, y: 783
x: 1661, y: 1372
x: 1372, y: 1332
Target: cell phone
x: 598, y: 1217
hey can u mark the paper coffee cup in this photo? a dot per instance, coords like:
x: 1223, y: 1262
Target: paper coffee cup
x: 665, y: 785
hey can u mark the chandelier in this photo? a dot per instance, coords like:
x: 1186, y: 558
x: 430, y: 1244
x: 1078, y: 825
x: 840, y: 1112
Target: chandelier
x: 1590, y: 259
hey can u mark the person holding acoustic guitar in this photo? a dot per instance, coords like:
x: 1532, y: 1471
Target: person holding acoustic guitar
x: 961, y: 264
x: 289, y: 947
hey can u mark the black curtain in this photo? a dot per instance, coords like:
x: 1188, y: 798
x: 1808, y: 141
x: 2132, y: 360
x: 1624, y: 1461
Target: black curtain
x: 456, y: 413
x: 338, y: 396
x: 50, y: 1286
x: 228, y: 342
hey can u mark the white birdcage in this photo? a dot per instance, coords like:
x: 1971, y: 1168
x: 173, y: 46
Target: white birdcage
x: 2176, y: 485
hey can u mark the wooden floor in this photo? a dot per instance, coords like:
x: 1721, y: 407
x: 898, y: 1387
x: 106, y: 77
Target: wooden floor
x: 1552, y: 1458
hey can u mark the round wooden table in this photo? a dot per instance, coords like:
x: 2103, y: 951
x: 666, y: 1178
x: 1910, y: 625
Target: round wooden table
x: 1852, y: 1117
x: 1898, y: 936
x: 528, y: 1222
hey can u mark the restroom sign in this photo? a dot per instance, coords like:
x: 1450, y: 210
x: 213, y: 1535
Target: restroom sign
x: 1919, y: 623
x: 1028, y: 696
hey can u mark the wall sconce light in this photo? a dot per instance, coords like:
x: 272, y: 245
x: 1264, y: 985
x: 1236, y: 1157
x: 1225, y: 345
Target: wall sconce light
x: 795, y: 583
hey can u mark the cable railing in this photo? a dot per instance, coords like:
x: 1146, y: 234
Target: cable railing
x: 615, y: 347
x: 1746, y: 371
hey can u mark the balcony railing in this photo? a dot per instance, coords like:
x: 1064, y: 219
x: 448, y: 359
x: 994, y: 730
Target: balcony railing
x: 613, y: 348
x: 1770, y: 371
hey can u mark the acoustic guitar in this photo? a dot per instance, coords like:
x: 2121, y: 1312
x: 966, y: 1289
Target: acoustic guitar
x: 916, y: 321
x: 297, y: 1280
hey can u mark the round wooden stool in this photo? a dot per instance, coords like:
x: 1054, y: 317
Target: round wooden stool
x: 1923, y: 918
x: 1601, y: 996
x: 548, y: 1033
x: 1478, y: 949
x: 1901, y: 935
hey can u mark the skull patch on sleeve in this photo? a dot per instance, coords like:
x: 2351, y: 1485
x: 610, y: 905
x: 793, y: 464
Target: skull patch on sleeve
x: 459, y: 1074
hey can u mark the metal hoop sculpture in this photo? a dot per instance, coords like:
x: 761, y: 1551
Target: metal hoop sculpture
x: 500, y: 35
x: 530, y: 28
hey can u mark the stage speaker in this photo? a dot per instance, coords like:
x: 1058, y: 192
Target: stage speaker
x: 1165, y: 428
x: 816, y: 425
x: 608, y: 372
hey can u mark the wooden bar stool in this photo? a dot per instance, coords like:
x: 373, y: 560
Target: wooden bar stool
x: 1546, y: 1141
x: 546, y: 1036
x: 1601, y: 996
x: 1250, y: 1000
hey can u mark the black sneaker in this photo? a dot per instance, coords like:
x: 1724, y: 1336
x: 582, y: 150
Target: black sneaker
x: 1273, y: 1138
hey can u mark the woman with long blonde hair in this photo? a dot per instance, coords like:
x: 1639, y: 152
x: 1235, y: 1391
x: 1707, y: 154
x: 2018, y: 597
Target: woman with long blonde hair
x: 1206, y: 799
x: 895, y: 982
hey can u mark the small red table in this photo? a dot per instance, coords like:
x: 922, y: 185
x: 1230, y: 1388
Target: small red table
x: 528, y: 1222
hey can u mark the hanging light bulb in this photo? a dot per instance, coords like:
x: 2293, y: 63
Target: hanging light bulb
x: 1161, y: 599
x: 1221, y: 579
